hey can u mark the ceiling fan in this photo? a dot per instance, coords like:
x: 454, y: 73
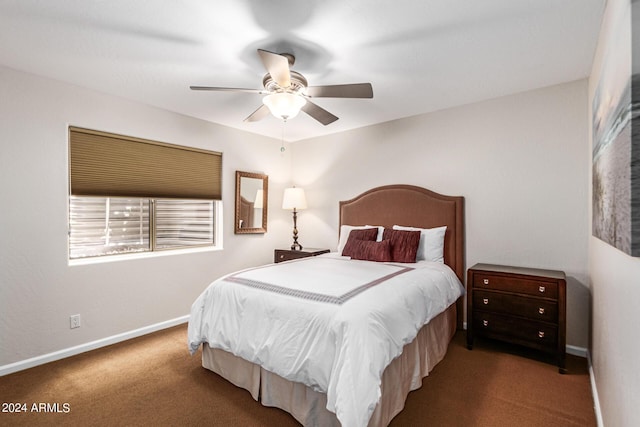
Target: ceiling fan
x: 287, y: 92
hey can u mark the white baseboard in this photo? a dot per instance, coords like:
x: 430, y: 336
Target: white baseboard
x: 82, y: 348
x: 594, y: 392
x: 577, y: 351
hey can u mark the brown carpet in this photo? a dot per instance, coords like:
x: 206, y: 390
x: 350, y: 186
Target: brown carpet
x: 153, y: 380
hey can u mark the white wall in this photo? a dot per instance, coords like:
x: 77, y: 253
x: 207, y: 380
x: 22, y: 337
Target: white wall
x: 38, y: 290
x: 615, y: 276
x: 519, y: 161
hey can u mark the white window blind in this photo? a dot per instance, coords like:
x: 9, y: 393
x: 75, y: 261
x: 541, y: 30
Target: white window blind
x: 111, y: 225
x: 107, y: 225
x: 183, y: 223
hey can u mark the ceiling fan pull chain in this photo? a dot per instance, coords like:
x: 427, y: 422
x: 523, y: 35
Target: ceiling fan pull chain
x: 284, y: 122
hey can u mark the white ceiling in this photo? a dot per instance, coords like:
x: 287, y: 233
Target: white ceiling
x: 419, y: 55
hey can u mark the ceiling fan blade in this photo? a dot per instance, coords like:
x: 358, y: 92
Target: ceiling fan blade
x: 226, y: 89
x: 277, y: 66
x: 356, y: 90
x: 319, y: 113
x: 259, y: 114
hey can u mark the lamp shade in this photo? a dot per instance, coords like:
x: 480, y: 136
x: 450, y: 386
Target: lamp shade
x: 294, y: 199
x: 284, y: 105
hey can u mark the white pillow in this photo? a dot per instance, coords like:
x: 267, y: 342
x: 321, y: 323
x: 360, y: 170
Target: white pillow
x: 431, y: 246
x: 346, y: 229
x: 380, y: 231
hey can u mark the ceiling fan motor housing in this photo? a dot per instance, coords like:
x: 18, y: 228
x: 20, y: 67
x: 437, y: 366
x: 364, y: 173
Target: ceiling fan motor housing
x: 298, y: 83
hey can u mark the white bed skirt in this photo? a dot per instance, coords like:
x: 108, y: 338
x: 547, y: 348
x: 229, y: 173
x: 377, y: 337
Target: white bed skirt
x: 403, y: 375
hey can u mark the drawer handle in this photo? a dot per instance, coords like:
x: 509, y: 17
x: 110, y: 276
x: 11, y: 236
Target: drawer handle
x: 485, y: 281
x: 541, y: 310
x: 485, y: 323
x: 485, y: 301
x: 542, y: 289
x: 540, y: 334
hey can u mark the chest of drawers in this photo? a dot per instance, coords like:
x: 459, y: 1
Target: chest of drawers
x: 523, y: 306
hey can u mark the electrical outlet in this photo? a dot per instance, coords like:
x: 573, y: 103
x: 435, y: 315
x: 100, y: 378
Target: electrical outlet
x: 75, y: 321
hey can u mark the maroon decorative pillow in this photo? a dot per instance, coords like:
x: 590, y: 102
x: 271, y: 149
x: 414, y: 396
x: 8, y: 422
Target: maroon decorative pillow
x: 371, y: 250
x: 404, y: 244
x: 367, y: 234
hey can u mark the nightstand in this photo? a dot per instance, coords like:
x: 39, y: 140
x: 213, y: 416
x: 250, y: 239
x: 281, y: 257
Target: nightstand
x: 523, y: 306
x: 289, y: 254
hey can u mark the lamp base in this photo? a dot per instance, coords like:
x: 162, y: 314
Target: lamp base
x: 296, y: 246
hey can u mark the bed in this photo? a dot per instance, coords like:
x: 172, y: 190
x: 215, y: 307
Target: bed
x: 337, y: 366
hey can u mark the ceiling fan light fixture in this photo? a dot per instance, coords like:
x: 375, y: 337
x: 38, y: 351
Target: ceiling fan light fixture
x: 284, y: 105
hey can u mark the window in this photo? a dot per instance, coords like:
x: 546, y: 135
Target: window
x: 183, y: 223
x: 130, y: 195
x: 113, y: 225
x: 105, y: 226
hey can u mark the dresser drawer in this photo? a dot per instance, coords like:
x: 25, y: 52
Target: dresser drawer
x: 531, y: 308
x: 539, y: 288
x: 540, y: 335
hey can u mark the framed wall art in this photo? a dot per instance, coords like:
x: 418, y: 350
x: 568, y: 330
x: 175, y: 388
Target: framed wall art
x: 616, y: 138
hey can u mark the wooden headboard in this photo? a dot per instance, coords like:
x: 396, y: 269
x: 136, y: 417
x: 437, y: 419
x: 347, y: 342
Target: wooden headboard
x: 416, y: 207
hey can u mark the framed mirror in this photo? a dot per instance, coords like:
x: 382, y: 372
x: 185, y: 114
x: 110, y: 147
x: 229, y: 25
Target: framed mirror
x: 251, y: 203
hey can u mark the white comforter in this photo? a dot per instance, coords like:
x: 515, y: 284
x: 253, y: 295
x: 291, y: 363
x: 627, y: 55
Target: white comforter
x: 328, y: 322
